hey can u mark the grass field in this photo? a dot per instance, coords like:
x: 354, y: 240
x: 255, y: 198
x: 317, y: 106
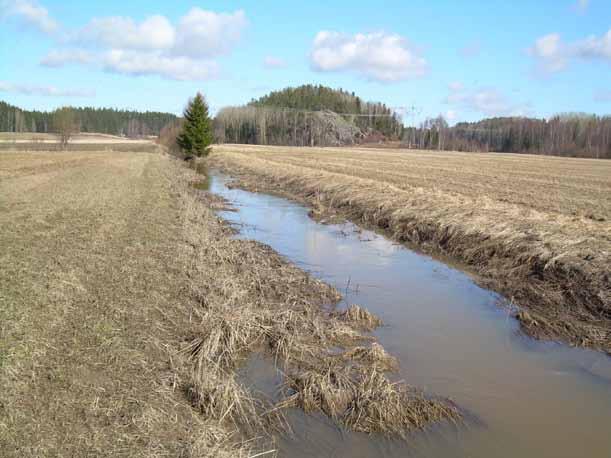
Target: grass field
x: 537, y: 229
x: 127, y: 308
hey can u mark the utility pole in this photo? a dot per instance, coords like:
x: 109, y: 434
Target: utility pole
x: 413, y: 111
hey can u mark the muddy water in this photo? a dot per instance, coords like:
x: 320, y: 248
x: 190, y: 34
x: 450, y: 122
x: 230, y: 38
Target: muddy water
x: 530, y: 399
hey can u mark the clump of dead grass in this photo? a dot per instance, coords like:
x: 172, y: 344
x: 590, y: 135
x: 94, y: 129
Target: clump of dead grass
x: 382, y: 406
x: 226, y: 335
x: 363, y: 399
x: 373, y: 356
x: 360, y: 317
x: 221, y: 398
x: 327, y: 390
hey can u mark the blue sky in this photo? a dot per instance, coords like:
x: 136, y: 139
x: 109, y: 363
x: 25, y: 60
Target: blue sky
x: 465, y: 60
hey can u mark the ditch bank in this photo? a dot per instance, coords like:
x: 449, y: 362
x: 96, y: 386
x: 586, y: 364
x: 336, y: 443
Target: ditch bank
x: 565, y: 298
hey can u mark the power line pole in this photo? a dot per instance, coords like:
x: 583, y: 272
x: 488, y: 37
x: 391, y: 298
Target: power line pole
x: 413, y: 111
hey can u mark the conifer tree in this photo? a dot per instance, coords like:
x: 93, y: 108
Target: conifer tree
x: 196, y: 136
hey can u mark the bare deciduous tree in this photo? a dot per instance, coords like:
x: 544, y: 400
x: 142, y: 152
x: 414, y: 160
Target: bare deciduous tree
x: 64, y: 124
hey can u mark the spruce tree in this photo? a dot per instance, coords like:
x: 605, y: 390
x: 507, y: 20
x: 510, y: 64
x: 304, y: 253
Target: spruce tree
x: 196, y: 136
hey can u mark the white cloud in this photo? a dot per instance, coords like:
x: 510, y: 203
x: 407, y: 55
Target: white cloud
x: 154, y: 46
x: 553, y: 55
x: 59, y: 58
x: 207, y: 34
x: 154, y: 33
x: 376, y: 56
x: 550, y: 53
x: 30, y: 13
x: 487, y: 101
x: 149, y: 63
x: 273, y: 62
x: 51, y: 91
x: 595, y: 47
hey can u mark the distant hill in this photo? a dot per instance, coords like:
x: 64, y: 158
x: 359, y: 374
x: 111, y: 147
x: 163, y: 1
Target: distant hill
x: 99, y: 120
x: 308, y: 115
x: 372, y: 116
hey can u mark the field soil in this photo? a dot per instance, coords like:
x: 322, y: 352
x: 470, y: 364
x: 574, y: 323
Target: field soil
x: 127, y: 308
x: 79, y: 139
x: 536, y: 229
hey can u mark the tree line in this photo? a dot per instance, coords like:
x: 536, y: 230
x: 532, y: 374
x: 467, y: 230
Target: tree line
x: 320, y: 116
x: 87, y: 119
x: 571, y: 134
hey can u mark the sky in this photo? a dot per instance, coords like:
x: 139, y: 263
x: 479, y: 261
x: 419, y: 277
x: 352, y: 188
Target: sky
x: 464, y: 60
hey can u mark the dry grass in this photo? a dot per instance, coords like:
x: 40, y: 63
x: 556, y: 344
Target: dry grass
x: 94, y: 305
x: 365, y: 400
x: 373, y: 356
x: 126, y: 307
x: 537, y: 229
x: 358, y: 316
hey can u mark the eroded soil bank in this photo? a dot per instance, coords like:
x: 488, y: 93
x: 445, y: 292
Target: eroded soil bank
x: 127, y: 307
x: 559, y: 279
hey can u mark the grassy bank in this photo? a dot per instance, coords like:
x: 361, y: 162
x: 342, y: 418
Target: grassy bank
x: 536, y: 229
x: 127, y: 309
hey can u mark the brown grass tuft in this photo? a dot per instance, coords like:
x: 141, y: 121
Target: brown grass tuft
x: 222, y: 399
x: 372, y: 356
x: 327, y: 390
x: 360, y: 317
x: 381, y: 406
x: 363, y: 399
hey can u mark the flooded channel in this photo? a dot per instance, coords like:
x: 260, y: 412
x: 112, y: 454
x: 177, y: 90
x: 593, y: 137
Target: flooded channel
x: 531, y: 399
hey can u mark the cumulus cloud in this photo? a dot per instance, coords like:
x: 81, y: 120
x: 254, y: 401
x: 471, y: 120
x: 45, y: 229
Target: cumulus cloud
x: 50, y: 91
x: 150, y: 63
x: 154, y: 33
x: 59, y: 58
x: 550, y: 53
x: 273, y: 62
x: 487, y: 101
x: 595, y: 47
x: 376, y: 56
x: 154, y: 46
x: 208, y: 34
x: 553, y: 55
x: 30, y: 13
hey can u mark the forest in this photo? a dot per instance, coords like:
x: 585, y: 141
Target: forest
x: 308, y: 115
x: 100, y: 120
x: 571, y: 134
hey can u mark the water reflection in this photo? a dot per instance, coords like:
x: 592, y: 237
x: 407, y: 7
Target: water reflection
x: 534, y: 399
